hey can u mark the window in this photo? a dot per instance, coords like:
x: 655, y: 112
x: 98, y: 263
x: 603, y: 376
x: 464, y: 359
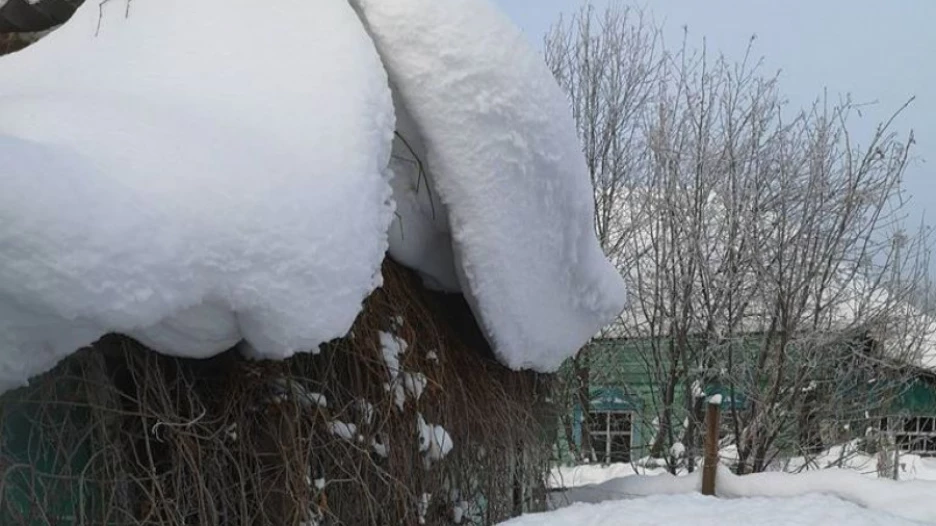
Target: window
x: 915, y: 434
x: 611, y: 433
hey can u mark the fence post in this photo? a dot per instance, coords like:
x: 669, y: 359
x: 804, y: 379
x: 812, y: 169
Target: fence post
x: 710, y: 466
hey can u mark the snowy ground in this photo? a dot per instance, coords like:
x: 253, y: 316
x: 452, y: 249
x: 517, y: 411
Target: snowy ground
x: 697, y: 510
x: 912, y: 467
x: 841, y: 484
x: 575, y: 476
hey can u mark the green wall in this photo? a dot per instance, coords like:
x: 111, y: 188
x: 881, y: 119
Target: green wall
x: 43, y: 463
x: 620, y: 373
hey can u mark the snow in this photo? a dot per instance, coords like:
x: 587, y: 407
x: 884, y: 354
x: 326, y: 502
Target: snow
x: 414, y: 384
x: 403, y: 384
x: 847, y: 456
x: 382, y: 449
x: 434, y: 441
x: 441, y: 443
x: 183, y: 190
x: 285, y: 389
x: 586, y: 474
x: 344, y: 430
x: 420, y: 237
x: 856, y: 482
x: 391, y: 347
x: 424, y: 432
x: 677, y: 450
x: 850, y: 301
x: 715, y: 399
x: 665, y: 510
x: 910, y: 499
x: 506, y: 168
x: 168, y: 179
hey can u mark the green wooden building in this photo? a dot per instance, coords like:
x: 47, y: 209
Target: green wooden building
x: 626, y: 402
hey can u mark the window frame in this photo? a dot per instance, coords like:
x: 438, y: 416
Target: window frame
x: 608, y: 434
x: 914, y: 434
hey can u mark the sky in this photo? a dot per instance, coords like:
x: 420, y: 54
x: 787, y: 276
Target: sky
x: 876, y: 51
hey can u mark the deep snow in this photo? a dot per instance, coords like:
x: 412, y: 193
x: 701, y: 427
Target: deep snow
x: 167, y: 177
x: 910, y: 500
x: 170, y: 177
x: 666, y: 510
x: 507, y: 166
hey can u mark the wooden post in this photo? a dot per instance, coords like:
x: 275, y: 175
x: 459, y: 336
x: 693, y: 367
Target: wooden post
x: 710, y: 466
x: 893, y: 441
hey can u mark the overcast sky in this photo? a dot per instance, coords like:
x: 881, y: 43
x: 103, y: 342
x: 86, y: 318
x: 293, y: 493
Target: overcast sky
x: 877, y: 51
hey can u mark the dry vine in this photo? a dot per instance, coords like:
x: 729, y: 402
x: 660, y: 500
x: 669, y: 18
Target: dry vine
x: 120, y: 435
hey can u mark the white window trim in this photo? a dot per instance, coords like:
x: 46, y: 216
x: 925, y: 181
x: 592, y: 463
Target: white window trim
x: 912, y: 446
x: 608, y: 433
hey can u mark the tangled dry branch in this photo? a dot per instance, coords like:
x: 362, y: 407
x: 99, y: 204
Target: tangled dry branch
x: 120, y: 435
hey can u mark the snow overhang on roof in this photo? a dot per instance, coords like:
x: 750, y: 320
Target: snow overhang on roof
x: 167, y: 178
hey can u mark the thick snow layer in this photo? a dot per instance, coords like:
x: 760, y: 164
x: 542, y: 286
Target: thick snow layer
x: 168, y: 175
x: 807, y: 510
x: 845, y: 456
x: 911, y: 499
x: 501, y: 149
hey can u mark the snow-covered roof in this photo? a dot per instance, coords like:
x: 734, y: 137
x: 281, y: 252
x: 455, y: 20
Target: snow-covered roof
x: 850, y: 302
x: 166, y: 177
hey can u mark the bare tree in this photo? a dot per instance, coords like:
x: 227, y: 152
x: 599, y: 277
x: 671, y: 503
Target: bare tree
x: 608, y: 63
x: 764, y: 248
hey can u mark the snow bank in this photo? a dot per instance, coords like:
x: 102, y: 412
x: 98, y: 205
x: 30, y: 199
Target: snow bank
x: 627, y: 487
x: 505, y: 161
x: 849, y: 456
x: 807, y: 510
x: 169, y: 176
x: 587, y: 474
x: 911, y: 500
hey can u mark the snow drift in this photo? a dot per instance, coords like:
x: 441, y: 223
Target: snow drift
x: 166, y: 176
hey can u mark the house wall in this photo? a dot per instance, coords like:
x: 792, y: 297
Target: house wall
x: 624, y: 367
x: 918, y: 399
x: 42, y: 470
